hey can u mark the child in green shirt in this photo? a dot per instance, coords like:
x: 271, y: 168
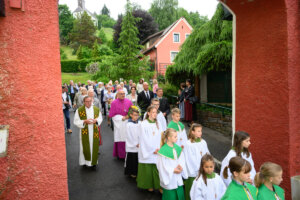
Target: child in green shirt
x: 267, y: 180
x: 239, y: 189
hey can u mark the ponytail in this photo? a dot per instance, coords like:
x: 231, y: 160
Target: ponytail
x: 237, y: 164
x: 165, y: 135
x: 259, y: 179
x: 266, y: 171
x: 225, y: 172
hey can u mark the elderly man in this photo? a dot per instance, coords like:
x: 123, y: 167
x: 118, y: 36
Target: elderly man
x: 119, y: 114
x: 124, y: 88
x: 72, y: 90
x: 164, y: 106
x: 144, y: 98
x: 87, y: 118
x: 95, y: 101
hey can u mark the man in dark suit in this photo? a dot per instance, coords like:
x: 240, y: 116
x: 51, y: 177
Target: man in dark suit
x: 144, y: 98
x: 164, y: 105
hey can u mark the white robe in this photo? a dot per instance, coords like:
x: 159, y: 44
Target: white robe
x: 119, y: 128
x: 168, y: 179
x: 162, y: 120
x: 149, y: 141
x: 79, y: 123
x: 193, y: 153
x: 225, y: 163
x: 132, y: 136
x: 215, y: 189
x: 182, y: 137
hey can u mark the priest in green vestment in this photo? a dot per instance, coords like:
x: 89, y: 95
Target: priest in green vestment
x: 87, y: 118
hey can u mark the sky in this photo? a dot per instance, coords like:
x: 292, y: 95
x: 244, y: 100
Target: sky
x: 204, y: 7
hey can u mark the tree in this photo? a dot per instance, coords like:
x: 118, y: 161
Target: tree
x: 164, y: 12
x: 83, y: 52
x: 96, y: 50
x: 105, y: 21
x: 102, y: 36
x: 105, y: 11
x: 146, y: 26
x: 83, y: 32
x: 65, y: 23
x: 129, y: 64
x: 208, y: 48
x: 196, y: 20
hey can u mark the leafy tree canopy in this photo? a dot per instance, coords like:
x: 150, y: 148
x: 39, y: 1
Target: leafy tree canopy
x: 146, y: 26
x: 65, y: 23
x: 105, y: 21
x: 164, y: 12
x: 83, y: 32
x: 209, y: 47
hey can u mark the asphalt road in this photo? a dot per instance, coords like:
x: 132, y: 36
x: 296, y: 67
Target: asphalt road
x: 108, y: 182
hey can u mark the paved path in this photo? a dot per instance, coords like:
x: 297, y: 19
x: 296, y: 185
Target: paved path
x: 109, y: 181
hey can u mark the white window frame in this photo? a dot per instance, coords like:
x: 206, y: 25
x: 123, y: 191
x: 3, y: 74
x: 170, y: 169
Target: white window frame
x: 171, y: 55
x: 178, y: 37
x: 187, y: 34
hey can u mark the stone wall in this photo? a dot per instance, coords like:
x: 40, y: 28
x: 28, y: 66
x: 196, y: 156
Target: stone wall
x: 217, y: 121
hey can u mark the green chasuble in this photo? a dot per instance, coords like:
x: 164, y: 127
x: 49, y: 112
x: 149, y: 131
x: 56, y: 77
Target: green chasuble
x: 85, y: 136
x: 176, y: 126
x: 236, y: 191
x: 167, y: 151
x: 265, y: 193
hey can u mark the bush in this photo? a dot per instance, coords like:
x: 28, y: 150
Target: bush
x: 84, y: 52
x: 63, y: 55
x: 76, y: 65
x: 92, y: 68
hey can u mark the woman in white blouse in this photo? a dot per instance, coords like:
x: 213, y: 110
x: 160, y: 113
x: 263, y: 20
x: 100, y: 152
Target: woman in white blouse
x: 133, y: 96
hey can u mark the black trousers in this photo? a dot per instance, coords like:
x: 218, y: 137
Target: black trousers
x: 72, y: 95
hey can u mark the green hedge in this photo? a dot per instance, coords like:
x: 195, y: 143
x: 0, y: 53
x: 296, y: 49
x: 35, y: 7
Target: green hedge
x: 76, y: 65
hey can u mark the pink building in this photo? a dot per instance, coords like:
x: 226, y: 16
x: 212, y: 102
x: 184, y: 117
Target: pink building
x: 162, y: 47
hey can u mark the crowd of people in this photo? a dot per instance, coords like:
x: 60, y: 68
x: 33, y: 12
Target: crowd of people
x: 158, y: 152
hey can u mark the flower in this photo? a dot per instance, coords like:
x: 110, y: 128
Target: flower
x: 134, y: 108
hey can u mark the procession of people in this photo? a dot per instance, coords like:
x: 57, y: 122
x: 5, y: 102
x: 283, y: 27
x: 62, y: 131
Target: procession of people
x: 156, y: 147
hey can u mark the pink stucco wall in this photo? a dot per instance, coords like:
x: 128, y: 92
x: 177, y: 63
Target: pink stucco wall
x: 267, y: 81
x: 167, y: 45
x: 30, y: 95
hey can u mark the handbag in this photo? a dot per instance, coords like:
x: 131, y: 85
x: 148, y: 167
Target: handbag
x: 194, y: 99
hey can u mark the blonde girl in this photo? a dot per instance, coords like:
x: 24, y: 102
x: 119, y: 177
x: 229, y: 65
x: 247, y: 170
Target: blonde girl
x: 241, y: 143
x: 267, y: 180
x: 171, y: 166
x: 208, y: 185
x: 149, y: 144
x: 239, y: 188
x: 193, y: 150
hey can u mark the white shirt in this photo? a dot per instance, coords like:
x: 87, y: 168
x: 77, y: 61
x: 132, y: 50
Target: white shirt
x: 64, y: 96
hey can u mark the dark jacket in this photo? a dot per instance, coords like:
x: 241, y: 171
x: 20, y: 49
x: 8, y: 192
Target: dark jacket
x: 189, y: 92
x: 74, y: 88
x: 164, y: 106
x: 143, y: 101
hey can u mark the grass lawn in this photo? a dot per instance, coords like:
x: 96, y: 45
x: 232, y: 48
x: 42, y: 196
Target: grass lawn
x: 76, y: 77
x: 109, y: 32
x: 68, y: 52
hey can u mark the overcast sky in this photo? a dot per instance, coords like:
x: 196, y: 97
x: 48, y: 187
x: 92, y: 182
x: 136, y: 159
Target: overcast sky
x: 204, y: 7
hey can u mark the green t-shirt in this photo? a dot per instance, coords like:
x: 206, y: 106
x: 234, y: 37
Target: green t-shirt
x: 236, y: 191
x: 265, y: 193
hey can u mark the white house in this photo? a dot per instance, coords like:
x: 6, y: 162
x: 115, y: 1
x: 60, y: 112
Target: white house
x: 81, y: 8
